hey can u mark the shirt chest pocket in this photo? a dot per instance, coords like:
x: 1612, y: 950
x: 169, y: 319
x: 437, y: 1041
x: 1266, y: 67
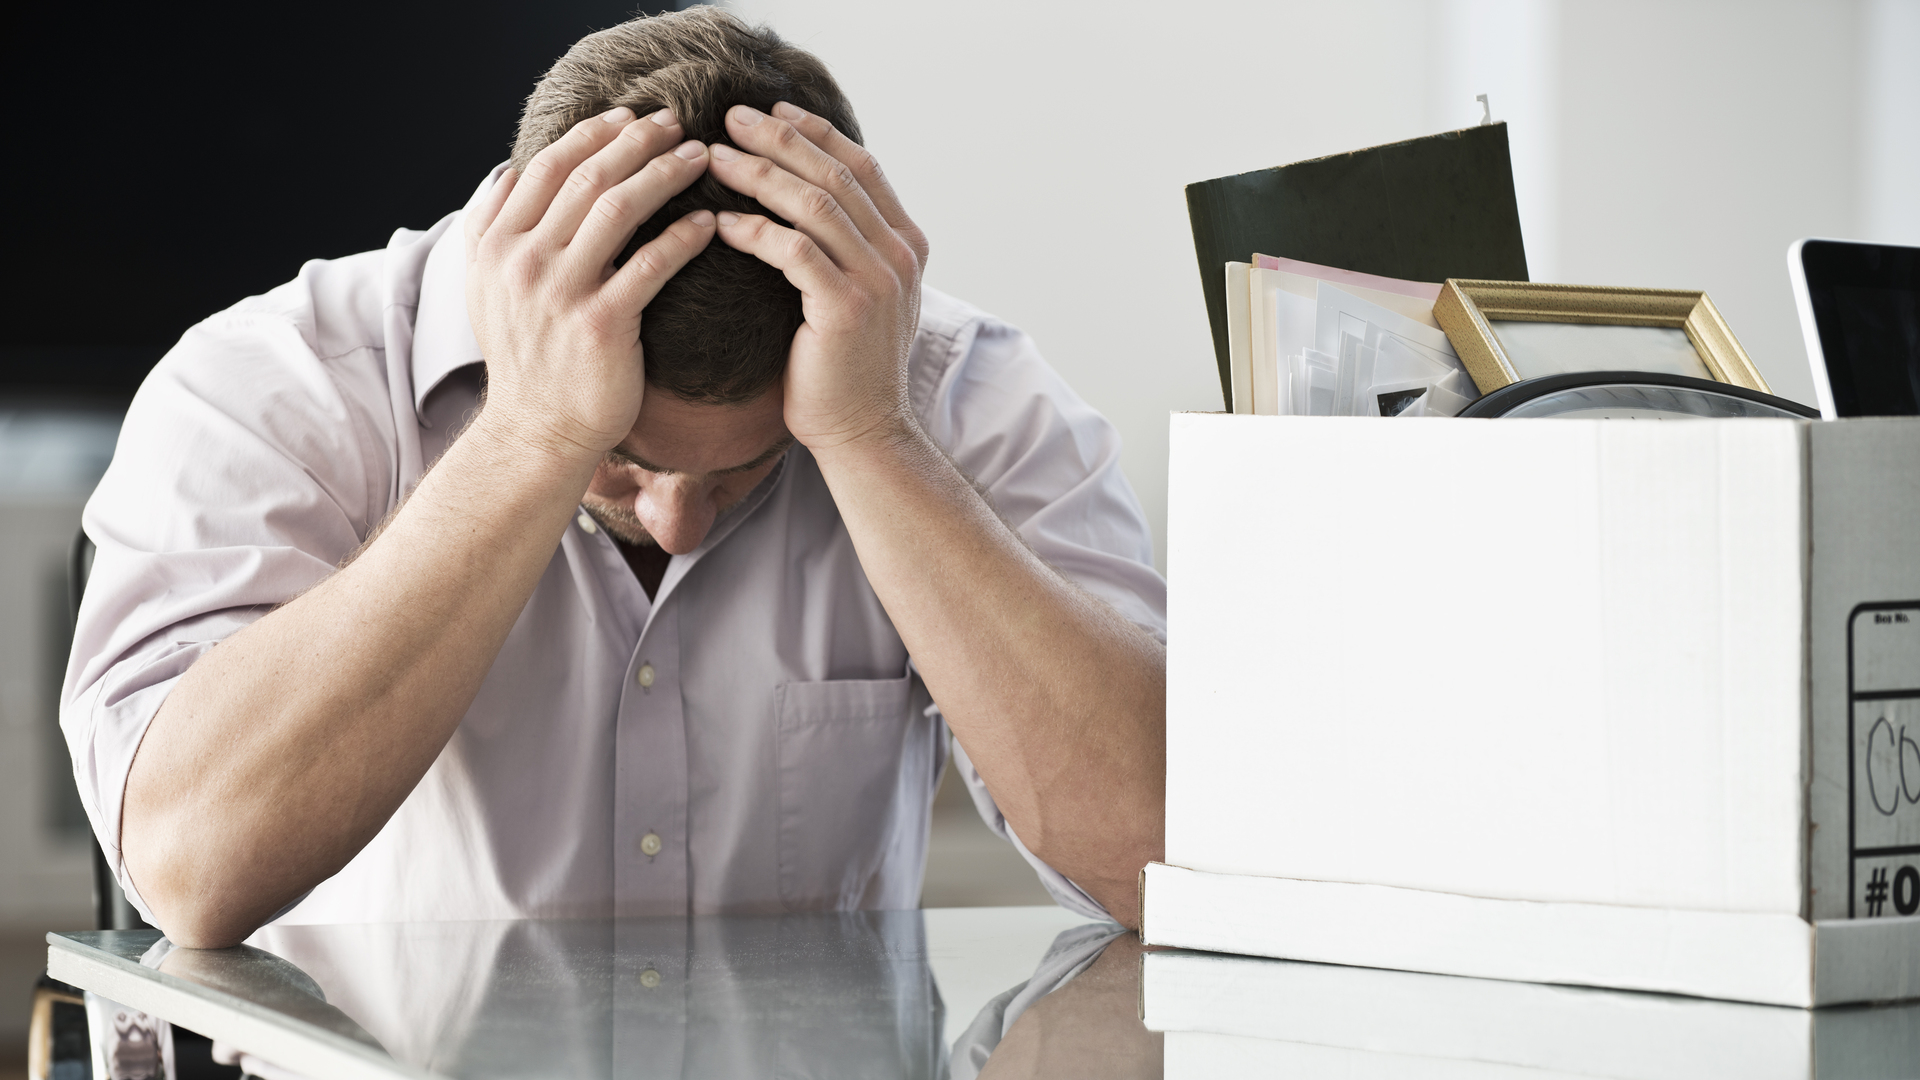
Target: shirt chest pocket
x: 855, y: 763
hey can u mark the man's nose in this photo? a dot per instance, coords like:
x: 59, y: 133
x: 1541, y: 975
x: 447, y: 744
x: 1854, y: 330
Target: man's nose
x: 677, y: 513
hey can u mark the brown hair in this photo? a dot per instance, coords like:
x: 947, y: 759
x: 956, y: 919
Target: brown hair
x: 720, y: 329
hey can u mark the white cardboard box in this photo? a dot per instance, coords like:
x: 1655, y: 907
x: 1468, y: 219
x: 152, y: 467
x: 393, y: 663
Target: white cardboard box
x: 1242, y: 1016
x: 1611, y: 703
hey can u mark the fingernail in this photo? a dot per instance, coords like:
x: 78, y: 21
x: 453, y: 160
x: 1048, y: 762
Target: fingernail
x: 664, y: 118
x: 692, y: 149
x: 728, y: 217
x: 787, y: 110
x: 619, y: 114
x: 702, y: 218
x: 746, y: 115
x: 725, y: 152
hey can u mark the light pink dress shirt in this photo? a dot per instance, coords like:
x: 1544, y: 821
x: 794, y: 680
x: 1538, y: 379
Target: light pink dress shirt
x: 754, y: 739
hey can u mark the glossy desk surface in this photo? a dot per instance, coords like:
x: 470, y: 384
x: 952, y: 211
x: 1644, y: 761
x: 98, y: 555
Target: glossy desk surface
x: 963, y: 992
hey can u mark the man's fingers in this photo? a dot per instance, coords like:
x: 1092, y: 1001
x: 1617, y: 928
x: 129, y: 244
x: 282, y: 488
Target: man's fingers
x: 614, y: 215
x: 812, y: 209
x: 790, y: 251
x: 636, y: 283
x: 862, y: 164
x: 489, y: 208
x: 549, y: 169
x: 784, y: 144
x: 633, y: 145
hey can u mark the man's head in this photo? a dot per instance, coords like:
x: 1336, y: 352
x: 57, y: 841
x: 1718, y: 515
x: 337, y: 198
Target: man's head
x: 683, y: 466
x: 720, y: 330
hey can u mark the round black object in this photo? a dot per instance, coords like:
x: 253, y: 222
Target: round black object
x: 1633, y: 395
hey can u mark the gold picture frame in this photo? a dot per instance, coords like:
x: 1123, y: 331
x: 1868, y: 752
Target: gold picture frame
x: 1467, y: 310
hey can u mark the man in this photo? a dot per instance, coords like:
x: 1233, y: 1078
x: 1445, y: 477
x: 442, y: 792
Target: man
x: 498, y: 575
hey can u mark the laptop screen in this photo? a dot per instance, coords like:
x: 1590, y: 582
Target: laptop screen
x: 1866, y: 303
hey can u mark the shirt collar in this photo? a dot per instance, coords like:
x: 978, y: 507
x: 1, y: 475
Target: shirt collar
x: 443, y: 340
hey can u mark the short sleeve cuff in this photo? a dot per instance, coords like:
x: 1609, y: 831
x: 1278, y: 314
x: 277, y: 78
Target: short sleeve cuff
x: 1058, y: 885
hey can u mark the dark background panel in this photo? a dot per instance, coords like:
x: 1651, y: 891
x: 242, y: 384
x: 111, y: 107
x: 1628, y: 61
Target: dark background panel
x: 168, y: 160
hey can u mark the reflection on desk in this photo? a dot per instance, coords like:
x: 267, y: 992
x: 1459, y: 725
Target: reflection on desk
x: 997, y: 994
x: 819, y: 994
x: 1229, y: 1016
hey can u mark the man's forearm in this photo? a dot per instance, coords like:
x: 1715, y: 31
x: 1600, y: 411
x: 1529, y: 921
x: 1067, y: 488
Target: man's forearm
x: 284, y: 750
x: 1058, y: 699
x: 287, y: 747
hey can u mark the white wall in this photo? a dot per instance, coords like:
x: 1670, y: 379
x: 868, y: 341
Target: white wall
x: 1890, y: 109
x: 1685, y: 167
x: 50, y: 458
x: 1044, y: 147
x: 45, y: 874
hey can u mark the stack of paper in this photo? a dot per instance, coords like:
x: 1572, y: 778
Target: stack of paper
x: 1310, y: 340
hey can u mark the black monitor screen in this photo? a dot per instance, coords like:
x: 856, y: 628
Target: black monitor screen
x: 1866, y: 301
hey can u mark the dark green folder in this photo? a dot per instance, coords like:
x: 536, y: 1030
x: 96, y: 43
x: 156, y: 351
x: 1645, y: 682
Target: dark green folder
x: 1426, y: 210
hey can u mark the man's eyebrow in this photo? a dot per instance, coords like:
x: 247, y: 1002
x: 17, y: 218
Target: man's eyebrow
x: 771, y: 452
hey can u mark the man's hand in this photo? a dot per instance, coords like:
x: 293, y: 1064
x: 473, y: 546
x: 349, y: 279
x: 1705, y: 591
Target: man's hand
x: 1059, y: 701
x: 283, y: 752
x: 854, y: 255
x: 558, y: 324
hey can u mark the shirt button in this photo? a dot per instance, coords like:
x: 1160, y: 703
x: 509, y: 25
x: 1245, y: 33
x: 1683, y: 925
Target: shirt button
x: 645, y: 676
x: 650, y: 845
x: 587, y: 524
x: 649, y: 978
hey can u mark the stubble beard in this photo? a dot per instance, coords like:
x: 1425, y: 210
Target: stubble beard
x: 618, y: 519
